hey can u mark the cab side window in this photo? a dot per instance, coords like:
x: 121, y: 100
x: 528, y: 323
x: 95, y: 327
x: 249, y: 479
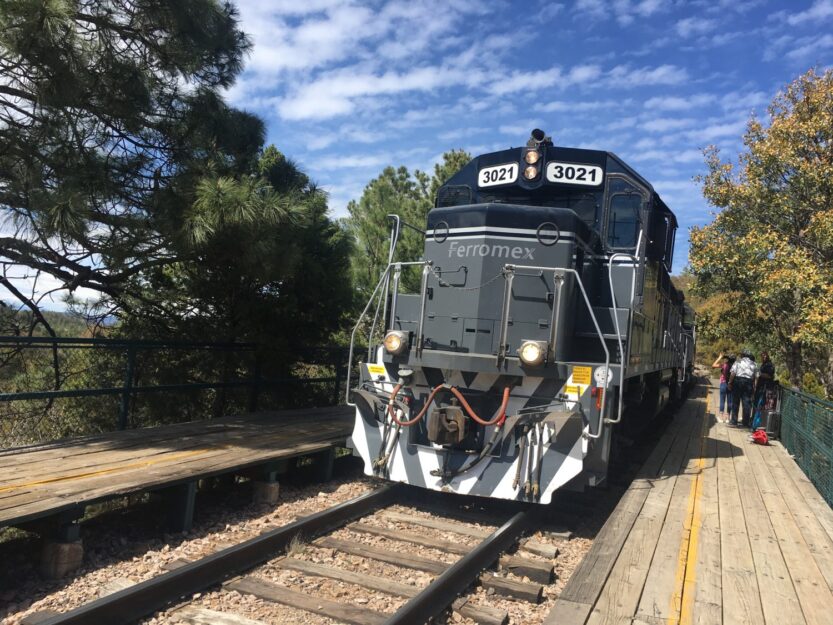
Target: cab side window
x: 623, y: 220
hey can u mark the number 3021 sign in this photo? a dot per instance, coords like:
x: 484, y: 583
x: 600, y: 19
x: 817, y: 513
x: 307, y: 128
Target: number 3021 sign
x: 574, y: 173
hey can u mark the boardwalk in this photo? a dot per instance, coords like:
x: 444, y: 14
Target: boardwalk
x: 715, y: 530
x: 47, y: 479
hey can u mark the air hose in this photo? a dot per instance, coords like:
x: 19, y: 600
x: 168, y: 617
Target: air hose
x: 498, y: 420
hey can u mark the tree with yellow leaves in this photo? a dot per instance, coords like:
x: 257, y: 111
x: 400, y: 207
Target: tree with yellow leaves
x: 770, y: 249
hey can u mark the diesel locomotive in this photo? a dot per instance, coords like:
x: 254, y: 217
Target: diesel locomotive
x: 545, y: 326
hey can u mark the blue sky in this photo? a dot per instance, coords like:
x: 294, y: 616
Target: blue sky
x: 347, y: 88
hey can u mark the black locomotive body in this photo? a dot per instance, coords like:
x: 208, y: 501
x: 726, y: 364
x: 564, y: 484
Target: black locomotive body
x: 546, y: 318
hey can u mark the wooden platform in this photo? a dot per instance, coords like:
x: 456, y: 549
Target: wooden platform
x: 48, y: 479
x: 715, y: 530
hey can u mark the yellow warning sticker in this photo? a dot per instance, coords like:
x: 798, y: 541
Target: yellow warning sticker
x: 572, y: 390
x: 582, y: 375
x: 376, y: 370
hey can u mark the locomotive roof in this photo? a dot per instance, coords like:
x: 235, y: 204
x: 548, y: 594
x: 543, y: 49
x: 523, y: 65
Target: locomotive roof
x: 610, y: 161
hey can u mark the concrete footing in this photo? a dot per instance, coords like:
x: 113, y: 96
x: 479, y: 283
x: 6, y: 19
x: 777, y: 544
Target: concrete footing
x: 59, y: 559
x: 265, y: 492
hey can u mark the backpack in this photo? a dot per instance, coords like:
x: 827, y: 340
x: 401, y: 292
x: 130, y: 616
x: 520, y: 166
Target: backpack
x: 760, y: 437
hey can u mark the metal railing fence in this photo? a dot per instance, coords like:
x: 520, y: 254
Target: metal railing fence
x: 53, y: 388
x: 807, y: 433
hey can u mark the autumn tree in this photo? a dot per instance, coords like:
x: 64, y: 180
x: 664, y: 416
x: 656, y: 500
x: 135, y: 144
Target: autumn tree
x: 769, y: 251
x: 395, y: 191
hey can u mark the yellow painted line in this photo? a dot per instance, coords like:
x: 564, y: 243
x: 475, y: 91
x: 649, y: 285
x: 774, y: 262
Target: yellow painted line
x: 121, y: 467
x: 682, y: 601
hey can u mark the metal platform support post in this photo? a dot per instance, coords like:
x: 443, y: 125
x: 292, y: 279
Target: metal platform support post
x: 266, y: 490
x: 324, y: 464
x: 179, y: 502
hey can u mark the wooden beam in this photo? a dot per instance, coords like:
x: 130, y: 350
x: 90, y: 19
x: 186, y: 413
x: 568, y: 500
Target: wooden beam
x: 342, y: 612
x: 410, y: 537
x: 391, y: 557
x: 534, y: 593
x: 533, y: 569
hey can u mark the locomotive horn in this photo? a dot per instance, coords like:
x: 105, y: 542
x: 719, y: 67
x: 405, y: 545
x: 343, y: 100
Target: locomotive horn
x: 538, y: 137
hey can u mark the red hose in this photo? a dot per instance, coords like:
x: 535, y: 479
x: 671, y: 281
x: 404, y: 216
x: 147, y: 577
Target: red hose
x: 501, y: 415
x: 499, y: 419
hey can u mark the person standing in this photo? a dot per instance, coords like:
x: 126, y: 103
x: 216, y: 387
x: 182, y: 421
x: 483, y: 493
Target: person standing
x: 741, y: 378
x: 764, y: 391
x: 724, y: 363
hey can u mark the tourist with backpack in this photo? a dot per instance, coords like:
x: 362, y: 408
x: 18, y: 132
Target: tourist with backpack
x: 741, y: 381
x: 724, y: 363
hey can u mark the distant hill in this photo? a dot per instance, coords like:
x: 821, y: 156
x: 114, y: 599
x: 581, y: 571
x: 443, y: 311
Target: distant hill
x: 13, y: 322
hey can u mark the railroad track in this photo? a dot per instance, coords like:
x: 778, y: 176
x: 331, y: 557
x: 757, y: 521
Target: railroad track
x: 468, y: 555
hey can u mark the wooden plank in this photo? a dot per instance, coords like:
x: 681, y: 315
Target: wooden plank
x: 171, y: 435
x: 409, y: 537
x: 623, y: 588
x: 811, y: 588
x: 586, y: 582
x: 541, y: 572
x: 741, y: 595
x: 534, y: 593
x: 104, y: 487
x: 375, y: 553
x: 666, y: 574
x: 435, y: 524
x: 566, y: 612
x: 39, y: 465
x: 817, y: 539
x: 480, y: 614
x: 778, y: 599
x: 817, y: 503
x: 194, y: 615
x: 343, y: 612
x: 705, y: 605
x: 359, y: 579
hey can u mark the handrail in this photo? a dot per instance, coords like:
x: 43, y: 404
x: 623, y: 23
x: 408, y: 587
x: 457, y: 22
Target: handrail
x: 382, y: 280
x: 356, y: 329
x: 622, y: 357
x: 512, y: 268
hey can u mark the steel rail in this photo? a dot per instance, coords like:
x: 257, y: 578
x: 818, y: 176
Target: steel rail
x: 136, y: 602
x: 441, y: 593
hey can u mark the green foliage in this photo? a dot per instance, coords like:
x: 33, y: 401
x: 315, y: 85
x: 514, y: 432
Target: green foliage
x: 397, y: 192
x: 111, y: 125
x: 769, y: 252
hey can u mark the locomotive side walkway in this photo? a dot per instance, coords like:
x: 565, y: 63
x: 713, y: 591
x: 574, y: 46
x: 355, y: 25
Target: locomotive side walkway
x: 715, y: 529
x: 63, y: 477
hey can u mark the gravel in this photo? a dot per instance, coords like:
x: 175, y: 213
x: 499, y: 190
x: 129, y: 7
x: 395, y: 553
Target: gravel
x: 120, y: 546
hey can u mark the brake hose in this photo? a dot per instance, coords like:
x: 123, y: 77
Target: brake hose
x: 498, y: 420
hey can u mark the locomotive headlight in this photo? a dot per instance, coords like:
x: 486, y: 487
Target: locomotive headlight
x: 530, y: 172
x: 532, y: 352
x: 396, y: 341
x: 532, y: 157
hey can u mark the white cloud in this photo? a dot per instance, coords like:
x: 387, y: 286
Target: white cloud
x: 806, y: 47
x: 820, y: 10
x: 626, y: 77
x: 664, y: 124
x: 561, y: 106
x: 676, y: 103
x: 692, y: 26
x: 625, y: 11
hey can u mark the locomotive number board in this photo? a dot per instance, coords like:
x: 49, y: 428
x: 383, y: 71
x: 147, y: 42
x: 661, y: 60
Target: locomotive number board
x: 497, y: 174
x: 574, y: 173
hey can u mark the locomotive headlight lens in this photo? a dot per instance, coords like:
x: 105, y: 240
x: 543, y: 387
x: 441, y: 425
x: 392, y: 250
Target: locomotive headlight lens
x: 532, y: 157
x: 530, y: 172
x: 396, y: 341
x: 532, y: 352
